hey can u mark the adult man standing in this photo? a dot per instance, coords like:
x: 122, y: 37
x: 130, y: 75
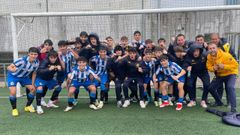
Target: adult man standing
x: 226, y: 70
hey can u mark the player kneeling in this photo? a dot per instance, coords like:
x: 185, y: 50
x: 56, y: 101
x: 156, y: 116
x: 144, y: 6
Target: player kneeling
x: 82, y: 75
x: 45, y: 75
x: 168, y: 72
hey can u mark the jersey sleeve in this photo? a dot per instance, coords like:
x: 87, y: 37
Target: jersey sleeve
x: 19, y: 62
x: 177, y: 67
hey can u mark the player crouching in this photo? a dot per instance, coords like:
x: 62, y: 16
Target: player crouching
x: 18, y: 72
x: 168, y: 72
x: 45, y: 74
x: 82, y: 75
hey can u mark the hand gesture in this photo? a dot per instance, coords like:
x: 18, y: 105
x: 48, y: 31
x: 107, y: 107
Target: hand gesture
x: 189, y: 68
x: 43, y: 50
x: 51, y: 68
x: 220, y: 66
x: 175, y: 78
x: 140, y: 70
x: 58, y: 67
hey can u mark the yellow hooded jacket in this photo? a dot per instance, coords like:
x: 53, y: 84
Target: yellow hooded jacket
x: 230, y: 64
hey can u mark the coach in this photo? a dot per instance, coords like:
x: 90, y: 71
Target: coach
x: 226, y: 69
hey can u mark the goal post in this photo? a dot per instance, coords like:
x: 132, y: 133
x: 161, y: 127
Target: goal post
x: 31, y: 29
x: 108, y: 13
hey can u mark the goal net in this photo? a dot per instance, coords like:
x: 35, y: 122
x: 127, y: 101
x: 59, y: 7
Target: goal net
x: 31, y: 29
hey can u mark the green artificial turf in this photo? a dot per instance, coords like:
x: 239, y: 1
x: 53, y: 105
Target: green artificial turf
x: 110, y: 120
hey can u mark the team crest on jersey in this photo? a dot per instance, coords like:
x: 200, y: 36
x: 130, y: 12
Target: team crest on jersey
x: 11, y: 83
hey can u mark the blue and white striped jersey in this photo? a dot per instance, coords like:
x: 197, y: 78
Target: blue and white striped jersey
x: 80, y: 76
x: 172, y: 69
x: 150, y: 65
x: 101, y: 64
x: 24, y: 67
x: 68, y: 59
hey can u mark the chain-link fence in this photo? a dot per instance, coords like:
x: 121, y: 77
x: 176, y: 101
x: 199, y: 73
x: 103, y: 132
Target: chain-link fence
x: 32, y: 31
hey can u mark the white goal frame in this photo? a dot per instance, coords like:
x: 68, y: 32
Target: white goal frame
x: 111, y: 12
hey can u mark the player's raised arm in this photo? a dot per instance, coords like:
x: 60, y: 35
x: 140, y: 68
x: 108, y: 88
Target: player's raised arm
x: 12, y: 68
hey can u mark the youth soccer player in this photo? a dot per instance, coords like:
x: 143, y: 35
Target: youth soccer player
x: 138, y: 43
x: 116, y: 72
x: 82, y: 75
x: 45, y: 75
x: 171, y: 72
x: 135, y: 71
x: 150, y: 65
x: 99, y: 63
x: 68, y: 56
x: 18, y: 72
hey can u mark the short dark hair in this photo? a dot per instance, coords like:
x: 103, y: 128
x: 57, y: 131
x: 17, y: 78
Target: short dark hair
x: 48, y: 41
x: 161, y: 39
x: 77, y: 40
x: 83, y: 33
x: 199, y: 36
x: 180, y: 35
x: 163, y: 57
x: 147, y: 51
x: 124, y: 38
x: 62, y: 43
x: 53, y: 53
x: 109, y: 37
x: 118, y: 48
x: 178, y: 49
x: 132, y: 49
x: 81, y: 58
x: 137, y: 32
x: 158, y: 49
x: 102, y: 48
x: 33, y: 50
x: 148, y: 41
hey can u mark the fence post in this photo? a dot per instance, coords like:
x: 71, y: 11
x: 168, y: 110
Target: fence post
x: 5, y: 75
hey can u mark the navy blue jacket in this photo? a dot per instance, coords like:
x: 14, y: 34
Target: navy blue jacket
x: 116, y: 67
x: 198, y: 64
x: 43, y: 71
x: 131, y: 68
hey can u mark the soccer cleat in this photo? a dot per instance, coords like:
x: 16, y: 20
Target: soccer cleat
x: 203, y: 104
x: 119, y: 103
x: 179, y: 106
x: 94, y: 107
x: 15, y: 112
x: 126, y: 103
x: 100, y: 105
x: 51, y: 104
x: 156, y: 103
x: 29, y: 109
x: 43, y: 103
x: 142, y: 104
x: 68, y: 108
x: 164, y: 104
x: 75, y: 102
x: 39, y: 110
x: 191, y: 103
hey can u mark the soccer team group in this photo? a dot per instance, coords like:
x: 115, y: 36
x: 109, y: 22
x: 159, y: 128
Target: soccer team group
x: 132, y: 66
